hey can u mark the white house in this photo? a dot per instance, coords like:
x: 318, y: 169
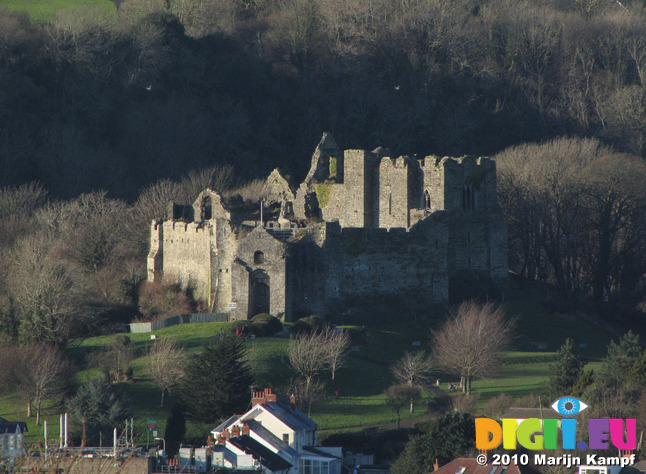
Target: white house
x: 274, y: 436
x: 12, y: 438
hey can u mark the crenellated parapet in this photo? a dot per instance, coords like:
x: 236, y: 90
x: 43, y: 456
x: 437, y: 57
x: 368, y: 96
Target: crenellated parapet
x: 363, y: 228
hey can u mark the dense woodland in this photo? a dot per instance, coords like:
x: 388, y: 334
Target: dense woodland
x: 104, y: 119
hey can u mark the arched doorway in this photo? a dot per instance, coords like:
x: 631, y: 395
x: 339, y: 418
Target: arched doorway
x: 259, y: 293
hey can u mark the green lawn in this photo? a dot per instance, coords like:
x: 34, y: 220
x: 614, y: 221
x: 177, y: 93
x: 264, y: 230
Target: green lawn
x: 41, y: 11
x: 361, y: 382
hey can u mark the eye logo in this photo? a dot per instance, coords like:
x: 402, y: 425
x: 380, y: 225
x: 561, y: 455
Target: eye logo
x: 568, y: 406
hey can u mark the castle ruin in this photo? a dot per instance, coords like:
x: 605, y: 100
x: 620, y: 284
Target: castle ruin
x: 361, y: 229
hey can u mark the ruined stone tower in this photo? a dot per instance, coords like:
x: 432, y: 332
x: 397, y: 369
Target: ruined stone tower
x: 362, y: 227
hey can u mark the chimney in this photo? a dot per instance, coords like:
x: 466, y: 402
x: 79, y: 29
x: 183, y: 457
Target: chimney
x: 221, y: 439
x: 210, y: 441
x: 226, y: 434
x: 245, y: 428
x: 436, y: 466
x: 256, y: 398
x: 270, y: 397
x: 292, y: 401
x: 235, y: 431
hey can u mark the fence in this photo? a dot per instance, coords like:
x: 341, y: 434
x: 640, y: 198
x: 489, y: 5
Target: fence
x: 180, y: 319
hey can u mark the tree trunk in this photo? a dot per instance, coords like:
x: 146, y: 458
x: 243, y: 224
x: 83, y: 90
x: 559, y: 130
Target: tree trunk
x: 411, y: 406
x: 399, y: 419
x: 29, y: 408
x: 467, y: 385
x: 161, y: 405
x: 38, y: 413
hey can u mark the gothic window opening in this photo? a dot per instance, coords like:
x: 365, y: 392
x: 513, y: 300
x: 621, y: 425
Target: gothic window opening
x: 468, y: 195
x: 207, y: 209
x: 258, y: 257
x: 390, y: 203
x: 427, y: 200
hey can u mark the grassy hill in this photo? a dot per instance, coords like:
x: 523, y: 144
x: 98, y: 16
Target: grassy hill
x: 361, y: 383
x: 41, y: 11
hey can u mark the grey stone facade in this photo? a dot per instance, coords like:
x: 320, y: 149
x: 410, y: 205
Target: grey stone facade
x: 361, y: 228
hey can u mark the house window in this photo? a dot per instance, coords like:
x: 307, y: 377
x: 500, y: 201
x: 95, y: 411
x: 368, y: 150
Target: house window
x: 258, y: 257
x: 286, y: 437
x: 313, y: 466
x: 427, y: 200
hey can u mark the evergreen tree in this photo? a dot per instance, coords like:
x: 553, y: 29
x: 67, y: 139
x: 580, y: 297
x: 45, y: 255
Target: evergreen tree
x: 449, y: 437
x: 619, y: 367
x: 175, y: 429
x: 97, y: 406
x: 218, y: 381
x: 566, y: 371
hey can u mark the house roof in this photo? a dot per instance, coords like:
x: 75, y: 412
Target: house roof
x: 526, y: 413
x: 223, y: 426
x: 264, y: 455
x: 471, y: 466
x: 318, y: 452
x: 271, y: 438
x: 292, y: 417
x: 12, y: 426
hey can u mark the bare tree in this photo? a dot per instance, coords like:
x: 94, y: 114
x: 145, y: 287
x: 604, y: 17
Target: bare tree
x: 465, y: 403
x: 412, y: 369
x: 399, y: 395
x: 306, y: 395
x: 50, y: 295
x: 336, y: 344
x: 471, y: 342
x: 166, y: 365
x: 308, y: 355
x: 43, y: 374
x: 114, y: 362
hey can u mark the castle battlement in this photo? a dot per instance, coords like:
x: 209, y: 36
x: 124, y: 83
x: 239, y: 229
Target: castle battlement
x: 361, y: 226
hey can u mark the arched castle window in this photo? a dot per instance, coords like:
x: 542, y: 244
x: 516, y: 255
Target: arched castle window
x: 468, y: 195
x: 258, y: 257
x: 427, y: 200
x: 207, y: 208
x: 390, y: 203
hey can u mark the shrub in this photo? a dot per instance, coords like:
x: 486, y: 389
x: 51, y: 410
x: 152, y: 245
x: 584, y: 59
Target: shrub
x: 266, y: 325
x: 262, y: 325
x: 309, y: 324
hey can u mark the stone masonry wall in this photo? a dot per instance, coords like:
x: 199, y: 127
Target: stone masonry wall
x: 362, y: 263
x: 270, y: 271
x: 351, y: 202
x: 187, y: 254
x: 395, y: 185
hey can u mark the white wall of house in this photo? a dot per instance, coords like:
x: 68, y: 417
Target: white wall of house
x: 11, y: 445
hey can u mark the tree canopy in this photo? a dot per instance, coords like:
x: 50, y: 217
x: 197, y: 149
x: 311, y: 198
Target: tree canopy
x: 218, y: 381
x: 470, y: 343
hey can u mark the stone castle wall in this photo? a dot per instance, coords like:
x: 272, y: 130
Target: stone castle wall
x: 392, y: 229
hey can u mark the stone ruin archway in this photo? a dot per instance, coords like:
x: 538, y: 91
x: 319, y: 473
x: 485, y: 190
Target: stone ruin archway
x: 259, y: 293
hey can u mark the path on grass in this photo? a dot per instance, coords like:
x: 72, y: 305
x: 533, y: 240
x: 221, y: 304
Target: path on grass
x: 443, y: 402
